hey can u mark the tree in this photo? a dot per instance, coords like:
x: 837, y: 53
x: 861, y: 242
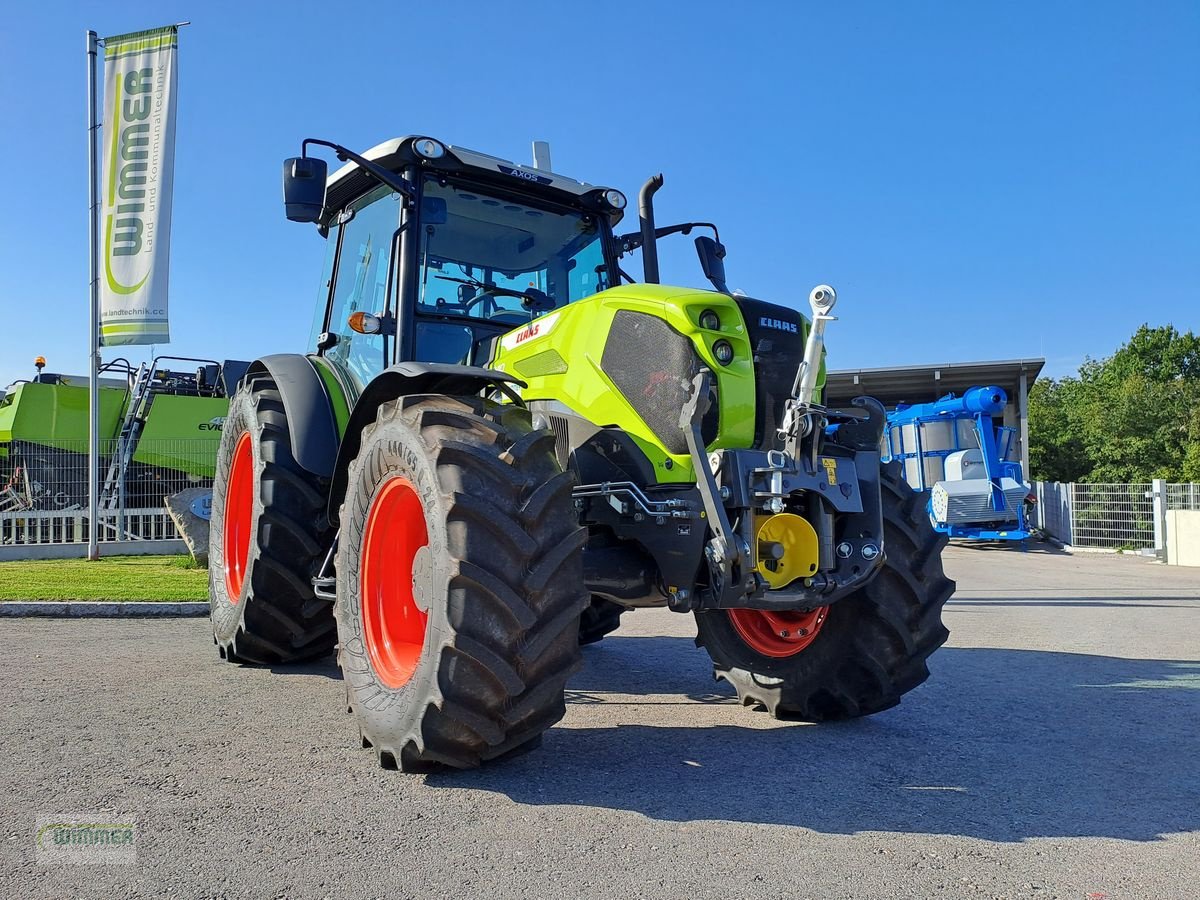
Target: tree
x: 1056, y: 449
x: 1131, y: 417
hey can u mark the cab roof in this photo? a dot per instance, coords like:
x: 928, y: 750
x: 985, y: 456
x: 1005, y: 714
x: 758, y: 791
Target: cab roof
x: 350, y: 181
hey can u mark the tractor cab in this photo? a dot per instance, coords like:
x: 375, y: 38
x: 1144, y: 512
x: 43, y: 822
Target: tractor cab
x: 452, y: 250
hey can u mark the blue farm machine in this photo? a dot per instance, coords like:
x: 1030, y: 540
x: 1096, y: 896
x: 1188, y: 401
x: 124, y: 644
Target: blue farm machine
x: 952, y: 450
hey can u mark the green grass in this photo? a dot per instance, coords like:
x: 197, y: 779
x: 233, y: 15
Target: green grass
x: 112, y: 578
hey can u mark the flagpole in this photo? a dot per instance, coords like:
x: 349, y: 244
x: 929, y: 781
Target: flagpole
x: 93, y: 551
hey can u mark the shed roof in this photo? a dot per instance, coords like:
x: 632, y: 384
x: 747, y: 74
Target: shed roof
x: 922, y: 383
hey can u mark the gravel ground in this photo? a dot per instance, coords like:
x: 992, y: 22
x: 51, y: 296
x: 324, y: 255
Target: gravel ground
x: 1052, y: 754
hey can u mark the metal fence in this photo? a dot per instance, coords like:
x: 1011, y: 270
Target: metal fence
x: 1183, y: 496
x: 44, y: 489
x: 1052, y: 512
x: 71, y: 527
x: 1111, y: 516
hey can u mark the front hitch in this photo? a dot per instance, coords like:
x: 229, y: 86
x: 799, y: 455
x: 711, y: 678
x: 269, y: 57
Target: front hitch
x: 839, y: 480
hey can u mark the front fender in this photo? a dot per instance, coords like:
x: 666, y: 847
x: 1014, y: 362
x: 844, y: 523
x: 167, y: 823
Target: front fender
x: 309, y: 409
x: 402, y: 380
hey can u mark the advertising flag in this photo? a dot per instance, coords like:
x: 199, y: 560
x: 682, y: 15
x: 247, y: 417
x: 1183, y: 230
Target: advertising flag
x: 135, y: 186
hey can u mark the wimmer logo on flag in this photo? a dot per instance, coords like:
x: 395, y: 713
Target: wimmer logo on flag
x: 140, y: 77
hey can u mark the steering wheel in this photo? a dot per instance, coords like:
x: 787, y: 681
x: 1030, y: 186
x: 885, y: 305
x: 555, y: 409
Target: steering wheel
x: 484, y: 295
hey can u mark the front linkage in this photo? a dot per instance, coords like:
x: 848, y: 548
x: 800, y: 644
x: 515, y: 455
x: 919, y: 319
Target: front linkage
x: 837, y: 474
x: 830, y: 468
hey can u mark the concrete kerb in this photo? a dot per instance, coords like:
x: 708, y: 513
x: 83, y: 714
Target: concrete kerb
x: 102, y: 609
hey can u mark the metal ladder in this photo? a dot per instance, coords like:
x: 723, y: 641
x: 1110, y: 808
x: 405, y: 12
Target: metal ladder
x: 131, y: 429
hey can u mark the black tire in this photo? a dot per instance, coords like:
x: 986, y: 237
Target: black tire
x: 499, y: 577
x: 602, y: 617
x: 873, y: 645
x: 275, y: 617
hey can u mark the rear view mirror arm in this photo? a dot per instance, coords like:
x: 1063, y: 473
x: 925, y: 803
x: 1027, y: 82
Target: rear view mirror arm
x: 632, y: 241
x: 380, y: 174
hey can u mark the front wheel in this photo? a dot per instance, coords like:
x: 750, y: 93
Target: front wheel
x: 856, y: 657
x: 459, y: 583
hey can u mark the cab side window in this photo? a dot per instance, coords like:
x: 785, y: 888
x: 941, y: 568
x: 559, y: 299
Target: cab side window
x: 360, y: 283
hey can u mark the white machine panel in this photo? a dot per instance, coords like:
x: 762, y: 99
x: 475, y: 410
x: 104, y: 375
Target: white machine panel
x: 965, y: 465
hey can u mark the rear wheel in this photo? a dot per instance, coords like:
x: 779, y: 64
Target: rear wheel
x: 267, y: 538
x: 600, y: 618
x: 460, y: 583
x: 861, y: 654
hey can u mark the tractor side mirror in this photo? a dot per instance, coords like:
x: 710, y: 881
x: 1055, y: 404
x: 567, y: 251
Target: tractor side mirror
x: 712, y: 261
x: 304, y: 188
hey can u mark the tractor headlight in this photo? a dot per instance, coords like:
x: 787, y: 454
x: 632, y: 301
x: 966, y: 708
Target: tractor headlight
x: 723, y: 351
x: 615, y: 199
x: 710, y: 320
x: 429, y: 148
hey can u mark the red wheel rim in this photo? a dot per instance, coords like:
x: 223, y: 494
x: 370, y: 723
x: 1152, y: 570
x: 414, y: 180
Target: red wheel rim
x: 239, y: 512
x: 778, y: 634
x: 393, y: 625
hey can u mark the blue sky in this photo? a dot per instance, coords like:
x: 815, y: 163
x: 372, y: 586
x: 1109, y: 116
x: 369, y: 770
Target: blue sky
x: 978, y: 181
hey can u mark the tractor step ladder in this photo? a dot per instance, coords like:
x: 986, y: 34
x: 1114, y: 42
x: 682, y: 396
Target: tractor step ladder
x: 131, y: 428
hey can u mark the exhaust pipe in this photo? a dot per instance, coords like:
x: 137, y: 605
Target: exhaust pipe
x: 646, y: 217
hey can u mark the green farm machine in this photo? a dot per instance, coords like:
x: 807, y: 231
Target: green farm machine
x: 501, y: 442
x: 159, y: 422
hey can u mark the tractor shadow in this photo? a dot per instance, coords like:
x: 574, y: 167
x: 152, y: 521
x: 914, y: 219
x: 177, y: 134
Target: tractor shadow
x: 1002, y: 745
x: 325, y: 667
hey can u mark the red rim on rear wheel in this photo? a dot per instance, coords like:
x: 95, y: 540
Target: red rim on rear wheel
x: 239, y: 513
x: 778, y: 634
x: 393, y: 625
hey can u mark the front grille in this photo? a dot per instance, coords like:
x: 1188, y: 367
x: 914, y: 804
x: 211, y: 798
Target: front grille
x: 653, y: 366
x: 778, y: 350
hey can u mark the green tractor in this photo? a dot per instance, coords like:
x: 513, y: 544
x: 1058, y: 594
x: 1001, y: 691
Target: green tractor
x: 502, y: 442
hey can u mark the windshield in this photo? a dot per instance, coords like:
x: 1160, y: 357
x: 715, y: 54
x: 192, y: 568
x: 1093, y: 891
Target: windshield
x: 478, y: 250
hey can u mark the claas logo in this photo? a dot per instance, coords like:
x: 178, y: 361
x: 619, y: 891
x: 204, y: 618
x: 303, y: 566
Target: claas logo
x: 527, y: 332
x: 778, y: 324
